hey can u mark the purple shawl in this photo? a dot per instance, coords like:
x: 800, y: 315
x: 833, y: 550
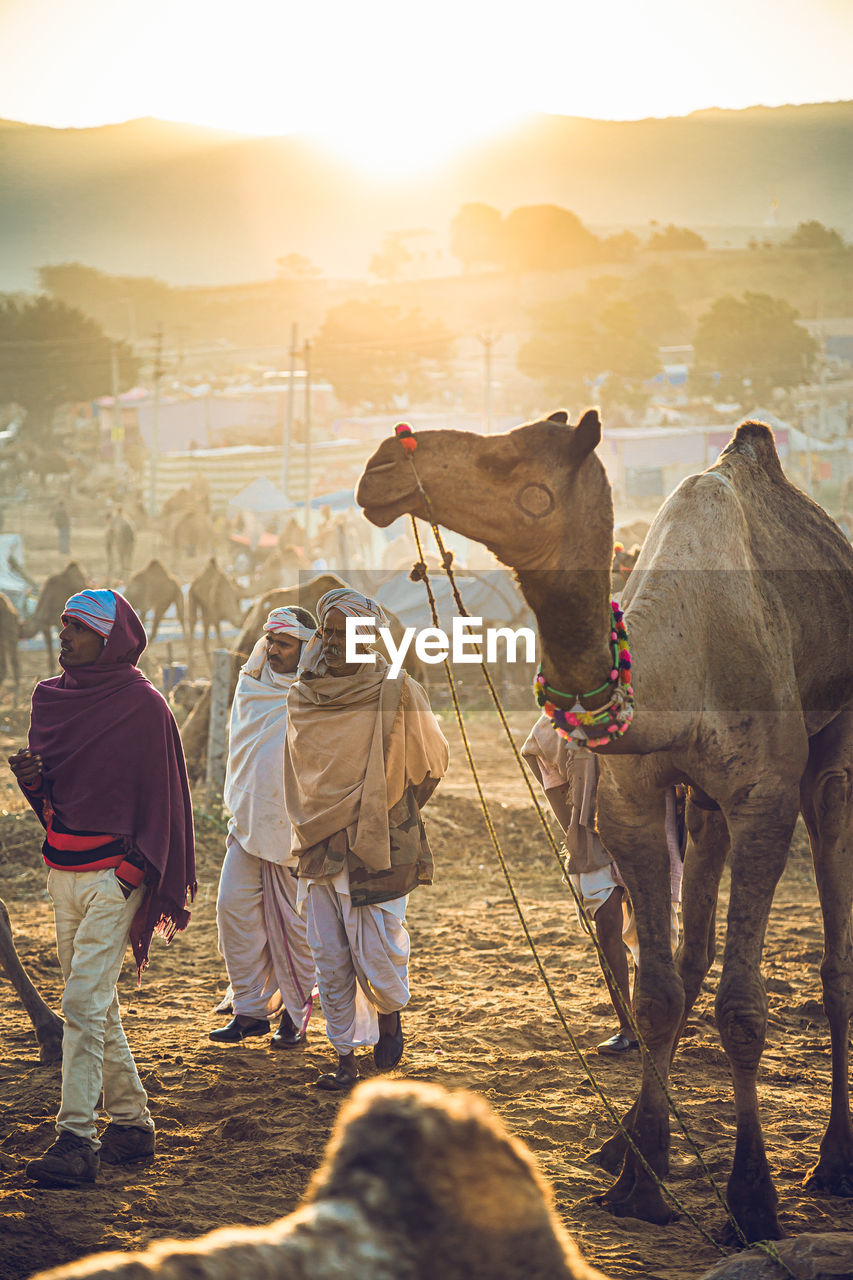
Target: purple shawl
x: 113, y: 762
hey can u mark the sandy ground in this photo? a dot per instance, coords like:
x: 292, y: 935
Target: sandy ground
x: 240, y: 1129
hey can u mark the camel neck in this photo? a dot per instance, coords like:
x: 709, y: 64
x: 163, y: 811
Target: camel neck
x: 572, y: 609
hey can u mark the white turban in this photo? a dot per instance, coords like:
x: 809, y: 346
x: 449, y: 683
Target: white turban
x: 352, y: 604
x: 286, y: 620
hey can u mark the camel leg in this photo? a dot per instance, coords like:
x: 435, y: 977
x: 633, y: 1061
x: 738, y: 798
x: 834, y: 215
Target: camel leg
x: 827, y: 806
x: 761, y: 827
x: 707, y: 849
x: 48, y: 1027
x: 48, y: 644
x: 155, y: 623
x: 632, y: 826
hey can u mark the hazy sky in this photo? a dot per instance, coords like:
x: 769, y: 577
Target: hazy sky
x: 395, y: 84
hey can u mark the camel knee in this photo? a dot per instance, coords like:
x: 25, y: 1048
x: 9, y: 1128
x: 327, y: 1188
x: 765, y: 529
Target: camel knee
x: 741, y: 1011
x: 836, y: 975
x: 659, y: 1001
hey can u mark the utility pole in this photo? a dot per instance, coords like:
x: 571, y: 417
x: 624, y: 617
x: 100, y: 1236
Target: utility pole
x: 118, y: 429
x: 307, y: 360
x: 287, y: 425
x: 488, y: 340
x: 155, y: 426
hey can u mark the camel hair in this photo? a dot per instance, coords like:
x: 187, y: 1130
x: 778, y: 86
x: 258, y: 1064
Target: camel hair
x: 740, y: 620
x: 416, y: 1182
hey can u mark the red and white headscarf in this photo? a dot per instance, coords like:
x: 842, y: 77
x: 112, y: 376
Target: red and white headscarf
x: 95, y: 609
x: 286, y: 620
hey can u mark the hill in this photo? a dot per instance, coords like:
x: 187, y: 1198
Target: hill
x: 194, y: 205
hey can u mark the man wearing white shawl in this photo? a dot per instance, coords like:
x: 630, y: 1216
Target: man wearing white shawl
x: 364, y: 753
x: 262, y: 936
x: 569, y: 779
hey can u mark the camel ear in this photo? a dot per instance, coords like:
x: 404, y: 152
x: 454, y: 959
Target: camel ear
x: 559, y: 416
x: 585, y: 436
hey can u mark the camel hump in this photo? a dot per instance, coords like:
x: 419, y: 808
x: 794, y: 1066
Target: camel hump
x: 755, y: 440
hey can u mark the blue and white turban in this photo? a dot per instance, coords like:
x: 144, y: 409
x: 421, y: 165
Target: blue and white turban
x: 95, y: 609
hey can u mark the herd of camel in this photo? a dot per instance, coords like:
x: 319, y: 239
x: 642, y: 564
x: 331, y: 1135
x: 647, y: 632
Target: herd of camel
x: 739, y: 613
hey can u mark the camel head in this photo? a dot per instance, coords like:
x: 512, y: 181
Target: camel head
x: 523, y: 494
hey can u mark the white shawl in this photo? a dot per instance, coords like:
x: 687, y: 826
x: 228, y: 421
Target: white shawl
x: 254, y: 786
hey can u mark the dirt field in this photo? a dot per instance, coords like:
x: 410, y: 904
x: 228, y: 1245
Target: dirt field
x: 240, y: 1129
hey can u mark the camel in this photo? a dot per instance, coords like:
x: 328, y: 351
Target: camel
x: 120, y: 536
x: 153, y: 589
x: 742, y: 678
x: 10, y: 630
x: 214, y: 597
x: 465, y: 1201
x: 280, y: 566
x: 191, y: 533
x: 52, y: 599
x: 48, y: 1027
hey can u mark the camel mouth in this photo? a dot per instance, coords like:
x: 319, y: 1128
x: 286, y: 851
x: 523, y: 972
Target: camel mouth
x: 384, y: 513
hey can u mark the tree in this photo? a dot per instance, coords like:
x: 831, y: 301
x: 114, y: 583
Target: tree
x: 295, y: 266
x: 814, y: 235
x: 747, y: 346
x: 476, y: 236
x: 544, y: 237
x: 392, y: 257
x: 373, y: 353
x: 52, y: 354
x: 676, y: 239
x: 575, y: 349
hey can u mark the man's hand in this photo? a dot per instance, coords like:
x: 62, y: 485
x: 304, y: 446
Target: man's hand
x: 26, y: 767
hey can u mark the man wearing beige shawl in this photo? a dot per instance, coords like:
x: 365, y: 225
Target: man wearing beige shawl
x: 363, y: 755
x: 569, y: 779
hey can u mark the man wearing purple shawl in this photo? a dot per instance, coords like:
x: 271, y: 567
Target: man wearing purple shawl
x: 105, y: 773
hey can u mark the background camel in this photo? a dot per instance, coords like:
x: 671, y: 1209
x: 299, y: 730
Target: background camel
x: 120, y: 539
x: 154, y: 590
x: 417, y: 1182
x: 52, y: 599
x: 739, y: 613
x: 48, y: 1027
x: 215, y: 598
x: 10, y: 630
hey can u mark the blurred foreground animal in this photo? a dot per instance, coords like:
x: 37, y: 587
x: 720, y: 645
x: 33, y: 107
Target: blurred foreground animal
x: 153, y: 590
x: 57, y: 589
x: 48, y: 1026
x: 417, y: 1183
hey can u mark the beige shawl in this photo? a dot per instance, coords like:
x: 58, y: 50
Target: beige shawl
x: 354, y: 744
x: 580, y: 770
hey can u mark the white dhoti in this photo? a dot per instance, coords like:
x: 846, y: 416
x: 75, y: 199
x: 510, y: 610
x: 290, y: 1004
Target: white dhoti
x: 263, y: 938
x: 362, y: 958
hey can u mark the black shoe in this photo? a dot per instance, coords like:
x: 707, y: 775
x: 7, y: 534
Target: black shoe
x: 620, y: 1043
x: 70, y: 1162
x: 237, y: 1031
x: 388, y: 1049
x: 336, y: 1081
x: 124, y: 1143
x: 288, y: 1035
